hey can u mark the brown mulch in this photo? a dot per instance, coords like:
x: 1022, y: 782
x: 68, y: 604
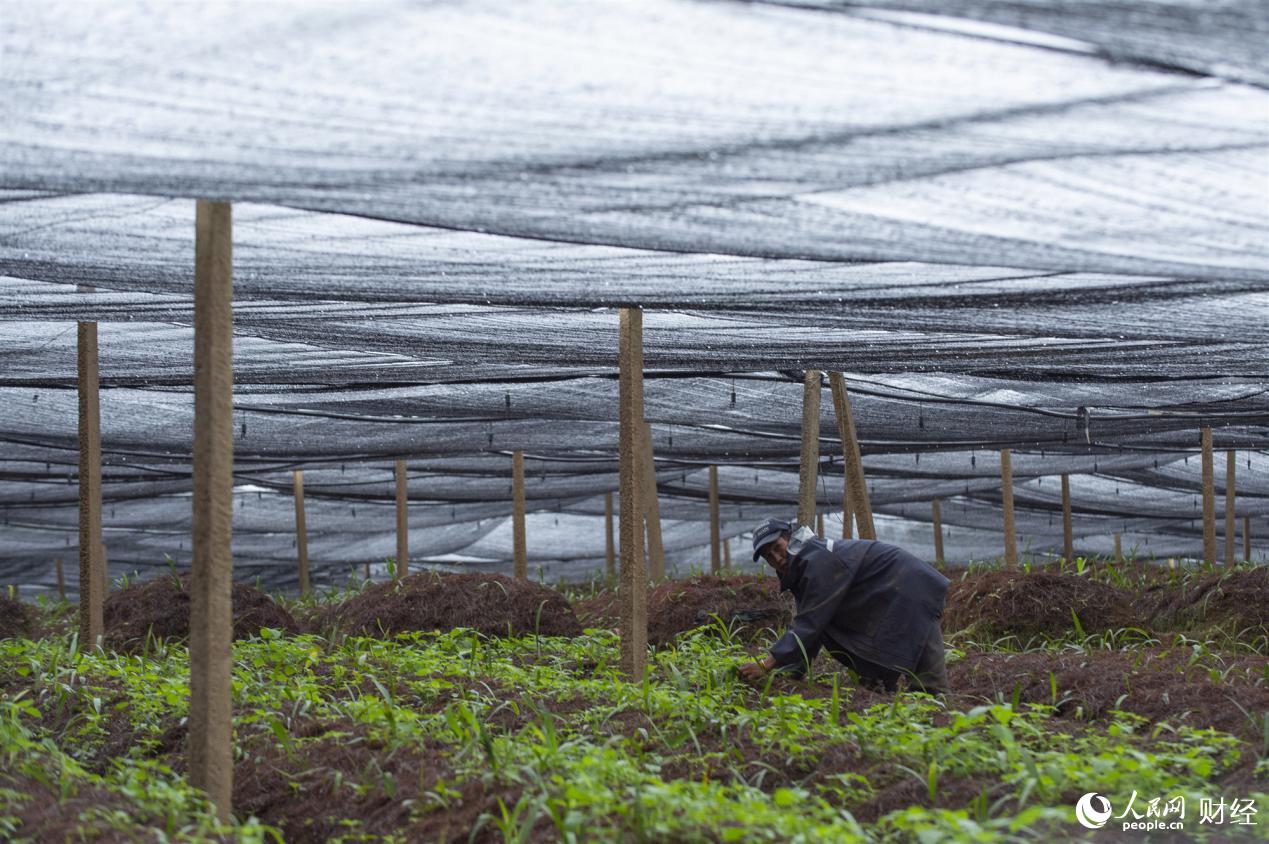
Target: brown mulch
x: 1158, y: 684
x: 1236, y: 602
x: 161, y: 607
x: 17, y: 620
x: 488, y: 603
x: 748, y: 603
x: 1000, y: 603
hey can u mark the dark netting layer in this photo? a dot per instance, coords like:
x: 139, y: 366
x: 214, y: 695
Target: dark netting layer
x: 731, y: 128
x: 1040, y: 226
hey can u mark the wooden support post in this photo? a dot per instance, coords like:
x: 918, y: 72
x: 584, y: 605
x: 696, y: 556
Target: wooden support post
x: 403, y: 520
x: 211, y: 623
x: 937, y: 511
x: 91, y: 566
x: 519, y: 542
x: 1068, y: 538
x: 1209, y: 499
x: 819, y: 524
x: 854, y: 463
x: 651, y: 506
x: 367, y: 570
x: 610, y: 545
x: 848, y: 508
x: 633, y: 589
x: 105, y: 575
x: 61, y: 580
x: 1006, y: 498
x: 1247, y: 538
x: 1231, y: 522
x: 715, y: 528
x: 726, y: 555
x: 301, y: 532
x: 808, y: 469
x: 1119, y: 550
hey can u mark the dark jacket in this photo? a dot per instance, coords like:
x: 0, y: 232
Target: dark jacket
x: 873, y: 599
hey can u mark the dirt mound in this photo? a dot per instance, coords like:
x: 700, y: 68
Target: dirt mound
x: 603, y: 609
x: 1002, y: 603
x: 1237, y: 602
x: 161, y: 607
x: 17, y: 620
x: 749, y: 603
x: 1158, y: 684
x: 489, y: 603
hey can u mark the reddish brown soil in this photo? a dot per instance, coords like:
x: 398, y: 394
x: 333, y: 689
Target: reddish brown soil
x: 1000, y: 603
x: 1238, y: 603
x: 748, y: 603
x: 489, y: 603
x: 161, y: 607
x: 17, y: 621
x: 46, y: 815
x: 310, y: 790
x: 601, y: 610
x: 1156, y: 683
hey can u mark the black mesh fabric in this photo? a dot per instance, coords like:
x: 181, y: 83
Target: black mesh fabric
x: 1026, y: 225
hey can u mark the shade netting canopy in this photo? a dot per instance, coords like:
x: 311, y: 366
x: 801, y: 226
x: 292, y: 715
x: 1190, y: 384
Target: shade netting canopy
x: 1035, y: 226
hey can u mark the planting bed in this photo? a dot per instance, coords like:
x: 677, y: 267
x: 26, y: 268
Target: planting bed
x: 491, y: 604
x: 453, y: 735
x: 160, y: 608
x: 744, y: 605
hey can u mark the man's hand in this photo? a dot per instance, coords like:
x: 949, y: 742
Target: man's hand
x: 757, y: 670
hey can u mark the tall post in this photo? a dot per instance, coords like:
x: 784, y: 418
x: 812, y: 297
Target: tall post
x: 633, y: 590
x: 1006, y: 497
x: 819, y: 524
x: 403, y: 520
x: 301, y: 531
x: 809, y: 466
x: 850, y: 451
x: 61, y: 580
x: 726, y: 555
x: 937, y: 511
x: 1231, y: 523
x: 848, y: 506
x: 715, y: 528
x: 1209, y: 498
x: 651, y: 506
x: 519, y: 542
x: 210, y: 731
x: 1068, y: 538
x: 1247, y: 538
x: 610, y: 545
x: 91, y: 567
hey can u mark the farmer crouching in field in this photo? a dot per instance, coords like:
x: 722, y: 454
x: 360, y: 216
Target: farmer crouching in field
x: 872, y: 605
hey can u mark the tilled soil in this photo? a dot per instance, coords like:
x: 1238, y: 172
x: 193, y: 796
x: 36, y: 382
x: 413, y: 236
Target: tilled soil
x: 16, y: 619
x: 1236, y: 602
x: 1158, y: 684
x: 748, y: 604
x: 1001, y: 603
x: 307, y: 790
x: 161, y: 607
x: 488, y: 603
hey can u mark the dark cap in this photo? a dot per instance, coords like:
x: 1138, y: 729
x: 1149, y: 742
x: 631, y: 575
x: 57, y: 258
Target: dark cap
x: 768, y: 532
